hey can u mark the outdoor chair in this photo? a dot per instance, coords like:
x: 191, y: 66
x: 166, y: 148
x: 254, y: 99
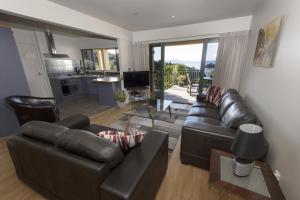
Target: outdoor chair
x: 192, y: 84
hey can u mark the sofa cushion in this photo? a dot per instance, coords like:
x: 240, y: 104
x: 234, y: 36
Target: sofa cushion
x: 76, y: 121
x: 228, y: 92
x: 204, y: 125
x: 204, y: 104
x: 230, y: 99
x: 204, y: 112
x: 44, y: 131
x: 238, y: 114
x: 88, y: 145
x: 194, y: 121
x: 125, y: 140
x: 95, y: 128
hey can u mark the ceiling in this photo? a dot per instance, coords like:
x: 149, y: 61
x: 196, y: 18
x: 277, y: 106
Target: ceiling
x: 31, y: 24
x: 138, y: 15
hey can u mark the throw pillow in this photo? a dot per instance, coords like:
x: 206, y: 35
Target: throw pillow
x: 125, y: 140
x: 214, y: 94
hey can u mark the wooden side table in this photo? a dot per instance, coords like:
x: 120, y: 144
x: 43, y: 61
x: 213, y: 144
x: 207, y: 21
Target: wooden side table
x: 261, y: 184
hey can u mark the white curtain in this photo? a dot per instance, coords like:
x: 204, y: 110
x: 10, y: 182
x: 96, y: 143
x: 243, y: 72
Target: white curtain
x: 141, y: 56
x: 230, y: 59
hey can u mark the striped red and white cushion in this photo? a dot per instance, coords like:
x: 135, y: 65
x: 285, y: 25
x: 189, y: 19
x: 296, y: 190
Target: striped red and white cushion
x: 214, y: 94
x: 126, y: 140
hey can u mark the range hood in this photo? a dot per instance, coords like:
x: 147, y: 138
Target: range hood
x: 51, y: 47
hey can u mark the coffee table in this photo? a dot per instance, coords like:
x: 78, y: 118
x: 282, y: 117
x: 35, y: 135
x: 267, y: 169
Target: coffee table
x: 150, y: 112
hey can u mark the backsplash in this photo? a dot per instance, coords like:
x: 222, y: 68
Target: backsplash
x: 60, y: 67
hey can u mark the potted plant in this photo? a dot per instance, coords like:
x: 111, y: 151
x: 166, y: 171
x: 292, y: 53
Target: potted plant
x: 180, y: 80
x: 152, y: 99
x: 120, y: 97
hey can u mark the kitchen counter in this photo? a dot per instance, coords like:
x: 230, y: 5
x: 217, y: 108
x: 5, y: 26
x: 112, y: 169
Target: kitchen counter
x: 73, y: 76
x: 107, y: 79
x: 103, y: 87
x: 106, y: 88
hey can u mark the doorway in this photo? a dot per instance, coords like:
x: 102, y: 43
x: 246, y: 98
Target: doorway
x: 181, y: 70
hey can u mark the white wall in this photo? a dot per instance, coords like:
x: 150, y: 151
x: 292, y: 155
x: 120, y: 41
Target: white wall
x: 51, y: 12
x: 274, y: 92
x: 72, y: 45
x: 93, y: 43
x: 194, y: 30
x: 47, y: 11
x: 64, y: 45
x: 67, y: 45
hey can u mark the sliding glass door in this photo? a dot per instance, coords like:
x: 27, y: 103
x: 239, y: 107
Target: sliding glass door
x: 182, y: 69
x: 157, y: 63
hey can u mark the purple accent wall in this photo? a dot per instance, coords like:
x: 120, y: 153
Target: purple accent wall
x: 12, y: 80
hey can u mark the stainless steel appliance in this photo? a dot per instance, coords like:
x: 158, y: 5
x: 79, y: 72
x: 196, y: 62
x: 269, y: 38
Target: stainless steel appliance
x: 68, y: 86
x: 51, y: 47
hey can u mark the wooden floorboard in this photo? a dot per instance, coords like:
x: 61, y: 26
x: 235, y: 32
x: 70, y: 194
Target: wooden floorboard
x: 182, y: 182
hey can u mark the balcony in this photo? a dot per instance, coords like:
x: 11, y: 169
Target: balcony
x: 177, y: 84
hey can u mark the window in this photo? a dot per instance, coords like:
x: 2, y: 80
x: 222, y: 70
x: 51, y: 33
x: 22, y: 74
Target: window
x: 113, y: 59
x: 100, y: 59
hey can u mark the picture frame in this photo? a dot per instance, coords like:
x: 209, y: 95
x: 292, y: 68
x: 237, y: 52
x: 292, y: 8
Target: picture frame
x: 266, y: 43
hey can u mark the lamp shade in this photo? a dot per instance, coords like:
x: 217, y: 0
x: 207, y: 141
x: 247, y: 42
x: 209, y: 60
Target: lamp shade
x: 249, y: 142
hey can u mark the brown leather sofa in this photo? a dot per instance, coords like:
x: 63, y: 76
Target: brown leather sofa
x: 67, y: 161
x: 209, y: 127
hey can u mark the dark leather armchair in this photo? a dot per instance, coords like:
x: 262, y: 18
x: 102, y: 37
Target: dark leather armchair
x: 29, y: 108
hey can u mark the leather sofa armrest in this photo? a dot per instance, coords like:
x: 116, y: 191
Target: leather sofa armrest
x: 141, y: 172
x: 75, y: 122
x: 201, y: 97
x: 199, y: 137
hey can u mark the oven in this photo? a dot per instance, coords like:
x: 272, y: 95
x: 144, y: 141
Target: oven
x: 68, y: 86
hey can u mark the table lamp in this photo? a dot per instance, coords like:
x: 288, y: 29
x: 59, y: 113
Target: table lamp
x: 248, y: 145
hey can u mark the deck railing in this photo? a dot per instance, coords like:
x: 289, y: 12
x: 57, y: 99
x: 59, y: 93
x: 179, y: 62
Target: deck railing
x: 180, y: 77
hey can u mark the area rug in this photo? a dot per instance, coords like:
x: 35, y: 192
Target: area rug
x: 179, y: 113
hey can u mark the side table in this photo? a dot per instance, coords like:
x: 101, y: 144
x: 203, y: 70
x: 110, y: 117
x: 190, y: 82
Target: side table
x: 261, y: 184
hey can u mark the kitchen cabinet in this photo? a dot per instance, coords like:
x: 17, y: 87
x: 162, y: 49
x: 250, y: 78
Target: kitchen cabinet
x: 73, y: 87
x: 91, y: 87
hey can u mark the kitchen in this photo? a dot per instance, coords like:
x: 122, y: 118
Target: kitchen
x: 75, y: 81
x: 70, y: 65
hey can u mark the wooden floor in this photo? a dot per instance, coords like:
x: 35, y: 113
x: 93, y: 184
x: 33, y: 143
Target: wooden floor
x: 182, y: 182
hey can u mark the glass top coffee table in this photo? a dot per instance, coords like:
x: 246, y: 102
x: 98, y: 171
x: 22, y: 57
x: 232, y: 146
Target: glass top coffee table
x: 150, y: 112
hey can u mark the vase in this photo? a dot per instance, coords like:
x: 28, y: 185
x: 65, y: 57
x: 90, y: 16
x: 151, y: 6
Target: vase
x: 121, y: 104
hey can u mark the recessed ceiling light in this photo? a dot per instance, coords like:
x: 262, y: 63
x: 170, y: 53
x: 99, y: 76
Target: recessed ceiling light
x: 173, y: 16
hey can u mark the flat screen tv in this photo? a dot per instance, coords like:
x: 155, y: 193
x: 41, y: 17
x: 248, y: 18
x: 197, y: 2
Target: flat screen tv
x: 136, y: 79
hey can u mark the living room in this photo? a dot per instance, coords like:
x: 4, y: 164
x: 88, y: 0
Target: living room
x: 182, y: 149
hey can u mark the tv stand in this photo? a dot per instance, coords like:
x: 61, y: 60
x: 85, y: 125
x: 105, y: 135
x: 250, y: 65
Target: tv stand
x: 138, y: 94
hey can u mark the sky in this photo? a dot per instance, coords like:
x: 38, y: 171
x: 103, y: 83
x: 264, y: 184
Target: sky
x: 190, y: 52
